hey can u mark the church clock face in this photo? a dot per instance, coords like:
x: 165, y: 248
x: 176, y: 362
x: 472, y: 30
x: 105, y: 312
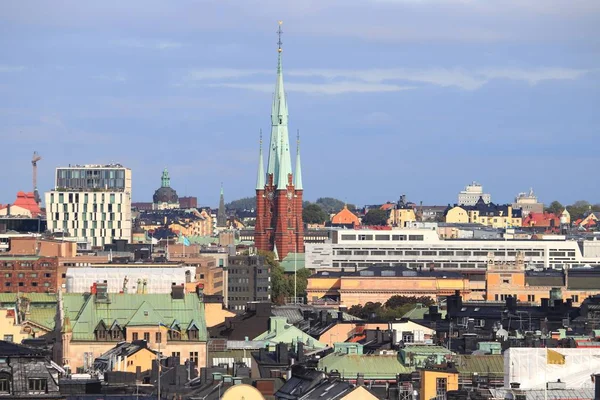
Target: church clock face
x: 289, y: 195
x: 270, y: 195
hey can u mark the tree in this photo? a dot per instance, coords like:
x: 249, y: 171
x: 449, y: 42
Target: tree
x: 330, y: 205
x: 246, y: 203
x: 375, y: 216
x: 400, y: 301
x: 282, y: 284
x: 314, y: 214
x: 555, y: 208
x: 578, y: 209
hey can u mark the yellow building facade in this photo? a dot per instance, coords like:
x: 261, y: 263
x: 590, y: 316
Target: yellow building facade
x: 435, y: 384
x: 401, y: 217
x: 457, y: 215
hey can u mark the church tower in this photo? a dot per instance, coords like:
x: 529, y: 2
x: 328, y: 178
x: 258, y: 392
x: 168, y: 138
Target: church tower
x: 278, y: 190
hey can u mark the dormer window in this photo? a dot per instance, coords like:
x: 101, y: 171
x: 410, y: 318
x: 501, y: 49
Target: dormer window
x: 193, y: 333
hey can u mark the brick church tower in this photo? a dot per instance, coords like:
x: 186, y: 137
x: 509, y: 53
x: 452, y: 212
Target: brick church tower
x: 279, y: 226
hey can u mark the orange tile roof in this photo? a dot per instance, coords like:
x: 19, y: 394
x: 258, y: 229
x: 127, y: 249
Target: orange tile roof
x: 27, y: 201
x: 345, y: 217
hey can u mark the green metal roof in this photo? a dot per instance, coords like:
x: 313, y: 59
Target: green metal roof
x: 134, y: 310
x: 33, y: 297
x: 293, y: 260
x: 44, y: 316
x: 419, y: 312
x: 418, y: 349
x: 482, y: 364
x: 282, y: 332
x: 372, y: 366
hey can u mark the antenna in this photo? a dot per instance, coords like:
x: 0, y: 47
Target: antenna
x: 279, y: 33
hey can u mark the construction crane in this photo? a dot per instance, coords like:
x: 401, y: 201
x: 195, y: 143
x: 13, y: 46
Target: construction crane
x: 36, y: 157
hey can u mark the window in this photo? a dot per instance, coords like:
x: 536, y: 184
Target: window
x: 134, y: 336
x: 194, y: 357
x: 4, y: 385
x: 176, y: 354
x: 8, y: 275
x: 441, y: 385
x: 158, y: 337
x: 147, y: 336
x: 398, y: 237
x: 505, y: 280
x: 193, y: 333
x: 38, y: 385
x: 415, y: 237
x: 531, y: 297
x: 8, y: 338
x: 575, y: 298
x: 46, y: 275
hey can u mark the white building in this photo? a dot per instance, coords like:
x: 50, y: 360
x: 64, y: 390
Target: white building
x: 91, y: 203
x: 471, y: 195
x: 157, y: 280
x: 528, y: 203
x: 423, y: 248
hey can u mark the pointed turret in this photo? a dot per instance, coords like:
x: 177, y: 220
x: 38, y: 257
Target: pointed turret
x: 260, y: 178
x: 165, y: 180
x: 298, y: 171
x: 279, y: 163
x: 221, y: 217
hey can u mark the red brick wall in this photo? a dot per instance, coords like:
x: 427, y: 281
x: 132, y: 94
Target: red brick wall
x: 28, y: 276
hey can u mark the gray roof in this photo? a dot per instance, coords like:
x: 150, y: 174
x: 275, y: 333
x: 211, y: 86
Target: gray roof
x: 538, y: 394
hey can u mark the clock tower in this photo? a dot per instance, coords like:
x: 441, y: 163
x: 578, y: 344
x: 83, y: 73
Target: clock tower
x: 279, y: 191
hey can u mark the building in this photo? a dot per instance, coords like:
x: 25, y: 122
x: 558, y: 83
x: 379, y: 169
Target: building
x: 188, y: 222
x: 248, y: 280
x: 165, y: 197
x: 528, y: 203
x: 44, y: 247
x: 93, y: 323
x: 280, y: 331
x: 505, y: 279
x: 26, y: 315
x: 401, y: 214
x: 487, y: 214
x: 29, y: 274
x: 279, y: 225
x: 436, y: 382
x: 129, y: 278
x: 379, y: 283
x: 345, y: 217
x: 542, y: 222
x: 188, y: 202
x: 126, y: 357
x: 91, y: 203
x: 221, y: 215
x: 27, y: 373
x: 471, y: 195
x: 25, y: 206
x: 416, y: 248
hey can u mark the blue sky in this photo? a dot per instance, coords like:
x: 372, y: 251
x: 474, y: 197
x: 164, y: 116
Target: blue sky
x: 390, y: 96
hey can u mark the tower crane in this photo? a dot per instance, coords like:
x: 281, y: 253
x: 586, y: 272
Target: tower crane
x: 36, y: 157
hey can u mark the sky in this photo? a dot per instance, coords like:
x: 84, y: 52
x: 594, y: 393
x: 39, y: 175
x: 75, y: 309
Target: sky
x: 391, y: 97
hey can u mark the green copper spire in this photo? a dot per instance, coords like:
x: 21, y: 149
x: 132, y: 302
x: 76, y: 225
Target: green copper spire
x: 279, y: 162
x: 260, y: 178
x: 166, y: 181
x: 298, y: 171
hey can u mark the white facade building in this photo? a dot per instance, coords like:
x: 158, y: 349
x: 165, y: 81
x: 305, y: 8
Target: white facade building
x: 470, y: 196
x: 422, y: 248
x: 91, y: 203
x: 157, y: 280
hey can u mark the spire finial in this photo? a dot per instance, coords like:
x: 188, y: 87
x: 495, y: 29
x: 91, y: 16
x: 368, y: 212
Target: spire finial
x: 279, y: 33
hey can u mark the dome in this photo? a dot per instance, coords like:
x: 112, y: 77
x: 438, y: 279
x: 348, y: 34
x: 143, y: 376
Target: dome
x: 165, y: 195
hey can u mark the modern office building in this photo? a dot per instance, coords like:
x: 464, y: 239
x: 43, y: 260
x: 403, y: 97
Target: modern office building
x: 471, y: 195
x: 423, y: 248
x: 91, y: 202
x: 248, y: 279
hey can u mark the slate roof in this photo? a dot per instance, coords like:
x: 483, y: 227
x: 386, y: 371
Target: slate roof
x: 544, y: 278
x: 372, y: 366
x: 8, y: 349
x: 129, y: 309
x: 382, y: 270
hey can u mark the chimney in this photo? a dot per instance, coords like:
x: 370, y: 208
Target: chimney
x: 177, y: 292
x: 511, y: 303
x: 596, y: 379
x: 282, y: 353
x: 300, y: 352
x: 262, y: 354
x: 360, y: 379
x: 340, y: 316
x: 328, y: 318
x: 101, y: 292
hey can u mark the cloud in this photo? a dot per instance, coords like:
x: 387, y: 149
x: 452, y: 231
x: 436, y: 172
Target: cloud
x: 11, y: 68
x: 318, y: 88
x: 149, y: 44
x: 339, y: 81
